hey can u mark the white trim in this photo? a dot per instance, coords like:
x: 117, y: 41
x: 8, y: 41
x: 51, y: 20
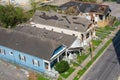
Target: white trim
x: 58, y: 53
x: 35, y: 62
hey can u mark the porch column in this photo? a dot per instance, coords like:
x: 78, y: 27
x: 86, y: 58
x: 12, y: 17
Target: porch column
x: 84, y: 40
x: 58, y: 59
x: 80, y: 52
x: 94, y: 33
x: 49, y: 68
x: 66, y: 53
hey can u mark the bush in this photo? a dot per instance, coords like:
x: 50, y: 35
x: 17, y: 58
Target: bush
x: 62, y: 66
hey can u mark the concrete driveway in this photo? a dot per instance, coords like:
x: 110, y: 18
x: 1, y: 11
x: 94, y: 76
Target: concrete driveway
x: 10, y: 72
x: 114, y: 7
x: 58, y: 2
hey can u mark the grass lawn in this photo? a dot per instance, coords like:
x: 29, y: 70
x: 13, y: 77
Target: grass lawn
x: 103, y: 32
x: 40, y: 77
x: 96, y: 42
x: 47, y: 8
x: 81, y: 58
x: 67, y: 73
x: 117, y: 23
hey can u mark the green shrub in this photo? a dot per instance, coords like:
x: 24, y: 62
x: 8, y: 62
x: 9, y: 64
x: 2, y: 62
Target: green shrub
x: 62, y: 66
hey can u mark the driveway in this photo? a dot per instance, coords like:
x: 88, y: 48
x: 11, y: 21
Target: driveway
x: 10, y: 72
x: 58, y: 2
x: 114, y: 7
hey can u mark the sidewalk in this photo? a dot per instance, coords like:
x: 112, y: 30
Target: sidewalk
x: 84, y: 63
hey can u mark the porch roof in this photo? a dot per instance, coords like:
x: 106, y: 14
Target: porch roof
x: 37, y: 46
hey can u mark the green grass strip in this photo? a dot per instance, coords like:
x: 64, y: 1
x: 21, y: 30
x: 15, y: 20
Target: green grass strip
x: 82, y: 71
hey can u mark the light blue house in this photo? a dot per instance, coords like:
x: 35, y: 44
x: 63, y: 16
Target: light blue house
x: 37, y: 53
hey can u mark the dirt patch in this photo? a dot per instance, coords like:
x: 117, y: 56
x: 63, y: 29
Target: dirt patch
x: 32, y: 76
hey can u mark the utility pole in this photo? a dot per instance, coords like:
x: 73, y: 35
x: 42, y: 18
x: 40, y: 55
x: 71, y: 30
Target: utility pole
x: 91, y: 50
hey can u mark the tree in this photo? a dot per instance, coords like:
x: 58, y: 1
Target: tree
x: 62, y: 66
x: 33, y: 5
x: 11, y: 16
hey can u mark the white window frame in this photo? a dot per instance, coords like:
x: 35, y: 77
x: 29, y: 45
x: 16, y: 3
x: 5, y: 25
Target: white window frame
x: 11, y: 53
x: 36, y: 62
x: 2, y: 51
x: 22, y: 58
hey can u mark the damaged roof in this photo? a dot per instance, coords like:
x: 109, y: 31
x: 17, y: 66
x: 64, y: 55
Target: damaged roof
x: 61, y: 21
x: 85, y: 7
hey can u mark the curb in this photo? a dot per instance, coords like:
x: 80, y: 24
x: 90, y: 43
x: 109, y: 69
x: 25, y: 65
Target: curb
x: 116, y: 30
x: 94, y: 62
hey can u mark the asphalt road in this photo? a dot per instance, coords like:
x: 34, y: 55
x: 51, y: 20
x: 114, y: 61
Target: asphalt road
x: 10, y: 72
x: 108, y: 66
x: 114, y: 7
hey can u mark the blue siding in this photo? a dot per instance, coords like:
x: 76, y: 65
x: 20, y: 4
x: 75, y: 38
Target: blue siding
x: 15, y: 59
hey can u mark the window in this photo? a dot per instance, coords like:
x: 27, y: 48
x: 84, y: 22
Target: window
x: 2, y: 51
x: 46, y: 65
x: 22, y: 58
x: 87, y: 35
x: 35, y: 62
x: 11, y: 53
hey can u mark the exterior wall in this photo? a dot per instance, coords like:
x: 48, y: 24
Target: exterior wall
x: 89, y: 16
x: 96, y: 18
x: 56, y: 29
x: 15, y: 59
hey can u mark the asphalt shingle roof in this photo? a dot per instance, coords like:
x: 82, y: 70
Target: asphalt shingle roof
x: 64, y: 39
x: 37, y: 46
x: 85, y: 7
x: 61, y: 21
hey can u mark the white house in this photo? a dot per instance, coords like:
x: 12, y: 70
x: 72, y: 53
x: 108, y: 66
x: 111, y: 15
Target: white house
x: 70, y: 25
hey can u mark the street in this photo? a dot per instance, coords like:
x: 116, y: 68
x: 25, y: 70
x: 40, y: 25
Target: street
x: 114, y: 7
x: 108, y: 66
x: 11, y: 72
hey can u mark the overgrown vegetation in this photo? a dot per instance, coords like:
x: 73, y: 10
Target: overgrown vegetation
x: 47, y: 8
x: 62, y: 66
x: 10, y: 16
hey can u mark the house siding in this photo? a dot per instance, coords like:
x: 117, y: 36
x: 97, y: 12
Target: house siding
x: 27, y: 63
